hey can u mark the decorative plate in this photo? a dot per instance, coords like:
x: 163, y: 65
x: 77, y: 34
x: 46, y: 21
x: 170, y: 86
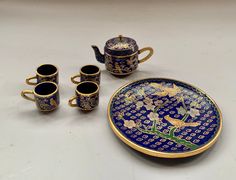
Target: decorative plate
x: 164, y: 118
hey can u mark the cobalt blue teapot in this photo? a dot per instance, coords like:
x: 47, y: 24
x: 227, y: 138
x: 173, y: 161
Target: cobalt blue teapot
x: 121, y: 55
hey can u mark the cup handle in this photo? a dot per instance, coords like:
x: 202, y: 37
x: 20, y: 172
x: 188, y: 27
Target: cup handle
x: 71, y: 100
x: 24, y: 92
x: 74, y: 77
x: 148, y: 56
x: 28, y: 80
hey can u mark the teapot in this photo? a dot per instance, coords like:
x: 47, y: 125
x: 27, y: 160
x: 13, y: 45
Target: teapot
x: 121, y: 55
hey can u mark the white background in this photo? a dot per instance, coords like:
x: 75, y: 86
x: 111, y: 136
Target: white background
x: 194, y: 41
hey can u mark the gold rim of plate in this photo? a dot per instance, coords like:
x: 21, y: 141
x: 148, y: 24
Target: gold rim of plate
x: 158, y: 153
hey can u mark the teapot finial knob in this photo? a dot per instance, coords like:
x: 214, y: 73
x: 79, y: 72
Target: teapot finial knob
x: 120, y: 37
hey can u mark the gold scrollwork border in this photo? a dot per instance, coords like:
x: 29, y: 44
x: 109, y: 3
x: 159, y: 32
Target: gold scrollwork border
x: 120, y: 74
x: 122, y: 56
x: 158, y: 153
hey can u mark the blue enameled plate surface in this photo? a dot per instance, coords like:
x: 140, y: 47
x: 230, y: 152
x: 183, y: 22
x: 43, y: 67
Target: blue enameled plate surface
x: 164, y: 118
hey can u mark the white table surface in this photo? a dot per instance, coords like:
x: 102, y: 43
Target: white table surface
x: 194, y: 41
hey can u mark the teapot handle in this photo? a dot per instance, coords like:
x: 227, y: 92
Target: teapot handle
x: 148, y: 56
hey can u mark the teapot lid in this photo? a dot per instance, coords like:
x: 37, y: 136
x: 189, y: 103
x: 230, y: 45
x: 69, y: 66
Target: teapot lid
x: 121, y: 46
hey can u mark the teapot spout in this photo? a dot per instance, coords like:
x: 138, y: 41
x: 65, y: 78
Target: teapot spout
x: 99, y: 56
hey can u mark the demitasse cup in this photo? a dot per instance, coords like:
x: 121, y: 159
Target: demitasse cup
x: 45, y: 72
x: 45, y: 95
x: 88, y: 73
x: 86, y: 96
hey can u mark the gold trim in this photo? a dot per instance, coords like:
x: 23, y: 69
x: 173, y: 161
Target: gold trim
x: 38, y: 95
x: 157, y: 153
x: 87, y: 109
x: 41, y: 75
x: 121, y: 74
x: 93, y: 74
x: 89, y: 94
x: 122, y: 56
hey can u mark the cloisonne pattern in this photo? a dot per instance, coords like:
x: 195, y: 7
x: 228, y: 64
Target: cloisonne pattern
x: 121, y: 65
x: 51, y: 78
x: 87, y: 102
x: 164, y: 115
x: 47, y: 103
x: 121, y: 46
x: 94, y: 78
